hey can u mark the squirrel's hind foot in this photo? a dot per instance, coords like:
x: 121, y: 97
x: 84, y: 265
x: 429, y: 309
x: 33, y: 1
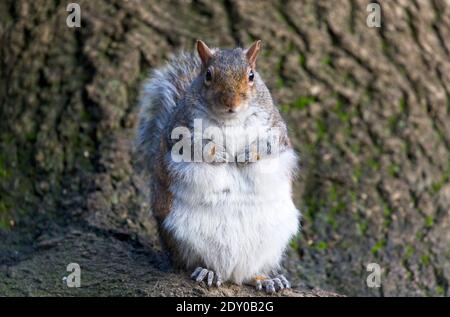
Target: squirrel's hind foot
x: 271, y: 285
x: 209, y: 277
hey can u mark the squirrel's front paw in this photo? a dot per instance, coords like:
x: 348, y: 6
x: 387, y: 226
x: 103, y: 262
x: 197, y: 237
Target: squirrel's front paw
x: 271, y: 285
x: 209, y: 277
x: 248, y: 155
x: 215, y: 153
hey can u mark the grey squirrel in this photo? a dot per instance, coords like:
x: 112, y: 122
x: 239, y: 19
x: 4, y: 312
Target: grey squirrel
x: 229, y: 217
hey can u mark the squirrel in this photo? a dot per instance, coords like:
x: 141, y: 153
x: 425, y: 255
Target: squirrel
x: 229, y: 218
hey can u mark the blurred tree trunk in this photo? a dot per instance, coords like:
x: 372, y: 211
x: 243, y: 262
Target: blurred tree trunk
x: 368, y: 108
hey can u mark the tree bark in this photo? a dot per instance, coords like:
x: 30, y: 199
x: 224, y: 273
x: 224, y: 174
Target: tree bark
x: 368, y: 111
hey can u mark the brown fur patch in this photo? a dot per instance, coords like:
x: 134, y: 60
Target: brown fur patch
x: 162, y: 202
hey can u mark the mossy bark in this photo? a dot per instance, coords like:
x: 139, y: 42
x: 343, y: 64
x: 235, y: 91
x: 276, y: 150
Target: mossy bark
x: 368, y: 110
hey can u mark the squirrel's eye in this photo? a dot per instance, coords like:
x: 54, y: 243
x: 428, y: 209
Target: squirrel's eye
x: 208, y: 76
x: 251, y: 76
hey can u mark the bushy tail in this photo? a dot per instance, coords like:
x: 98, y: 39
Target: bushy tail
x: 161, y: 93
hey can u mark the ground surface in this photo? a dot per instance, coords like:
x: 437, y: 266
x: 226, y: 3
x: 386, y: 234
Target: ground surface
x: 368, y: 110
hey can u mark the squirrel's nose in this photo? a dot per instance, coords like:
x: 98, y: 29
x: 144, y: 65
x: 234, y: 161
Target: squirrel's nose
x: 231, y: 102
x: 230, y: 107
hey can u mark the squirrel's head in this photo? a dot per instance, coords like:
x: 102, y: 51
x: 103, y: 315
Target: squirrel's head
x: 228, y: 78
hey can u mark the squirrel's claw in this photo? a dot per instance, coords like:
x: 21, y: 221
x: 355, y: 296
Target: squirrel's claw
x: 269, y: 286
x: 195, y: 273
x: 209, y: 277
x: 272, y: 285
x: 278, y: 283
x: 284, y: 281
x: 216, y: 154
x: 201, y: 276
x: 248, y: 155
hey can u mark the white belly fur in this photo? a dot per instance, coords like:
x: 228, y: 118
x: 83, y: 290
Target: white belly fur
x: 234, y: 220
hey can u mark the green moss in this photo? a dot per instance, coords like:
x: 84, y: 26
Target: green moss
x: 393, y: 170
x: 279, y: 83
x: 350, y: 80
x: 409, y: 252
x: 280, y: 63
x: 429, y: 221
x: 332, y: 193
x: 425, y: 259
x: 285, y: 108
x: 303, y: 101
x: 330, y: 219
x: 309, y: 148
x: 380, y: 245
x: 357, y: 174
x: 280, y: 17
x: 341, y: 110
x: 337, y: 205
x: 362, y: 227
x: 31, y: 136
x: 321, y: 129
x: 402, y: 104
x: 353, y: 196
x: 294, y: 244
x: 312, y: 207
x: 419, y: 235
x: 393, y: 122
x: 321, y: 246
x: 373, y: 164
x: 327, y: 61
x: 436, y: 187
x: 368, y: 96
x: 387, y: 213
x: 4, y: 173
x: 4, y: 224
x: 302, y: 60
x: 5, y: 217
x: 385, y: 46
x: 440, y: 290
x: 300, y: 103
x: 291, y: 47
x: 267, y: 52
x: 355, y: 147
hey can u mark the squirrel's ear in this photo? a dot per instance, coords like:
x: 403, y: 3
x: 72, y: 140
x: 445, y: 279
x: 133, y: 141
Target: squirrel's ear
x: 204, y: 52
x: 252, y: 53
